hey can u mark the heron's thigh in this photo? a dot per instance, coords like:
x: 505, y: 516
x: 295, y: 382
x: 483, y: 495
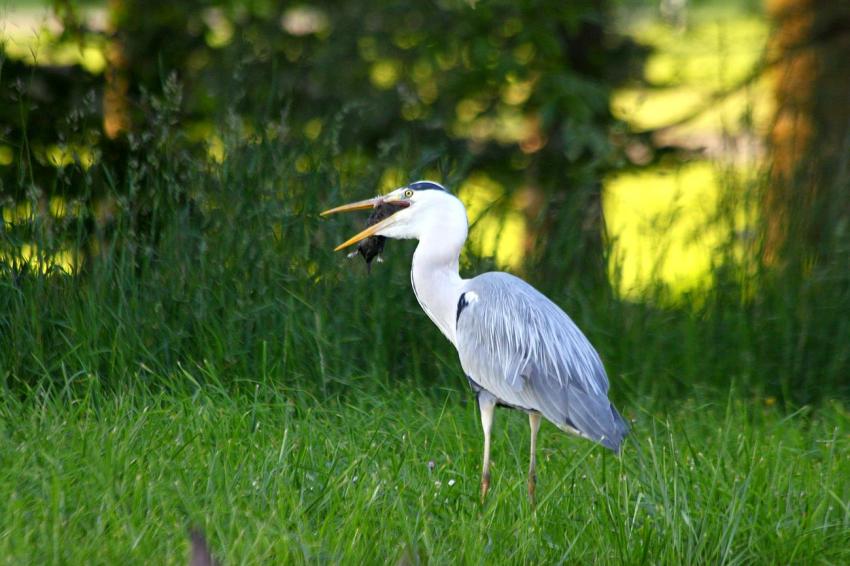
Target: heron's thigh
x: 486, y: 400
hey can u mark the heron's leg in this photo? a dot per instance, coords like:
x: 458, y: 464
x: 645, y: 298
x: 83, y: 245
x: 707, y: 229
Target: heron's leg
x: 534, y: 421
x: 487, y: 405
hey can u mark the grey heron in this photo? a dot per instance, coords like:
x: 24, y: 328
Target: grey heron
x: 517, y: 348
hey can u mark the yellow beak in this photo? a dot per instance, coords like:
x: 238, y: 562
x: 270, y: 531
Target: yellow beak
x: 359, y: 205
x: 363, y: 205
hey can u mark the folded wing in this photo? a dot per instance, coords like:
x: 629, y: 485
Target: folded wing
x: 525, y: 350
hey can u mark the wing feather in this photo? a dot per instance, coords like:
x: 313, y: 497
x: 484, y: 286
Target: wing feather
x: 525, y: 350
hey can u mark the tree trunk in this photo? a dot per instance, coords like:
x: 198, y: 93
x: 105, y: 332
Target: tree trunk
x: 116, y: 116
x: 809, y: 197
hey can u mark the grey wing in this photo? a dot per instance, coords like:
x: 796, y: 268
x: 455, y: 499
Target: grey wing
x: 522, y: 348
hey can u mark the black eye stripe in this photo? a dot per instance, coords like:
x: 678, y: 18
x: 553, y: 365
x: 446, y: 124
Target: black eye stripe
x: 426, y: 186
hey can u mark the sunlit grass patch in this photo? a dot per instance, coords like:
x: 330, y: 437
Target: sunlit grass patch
x: 61, y: 155
x: 663, y: 221
x: 664, y: 227
x: 687, y: 68
x: 715, y: 53
x: 497, y: 230
x: 32, y: 258
x: 6, y: 155
x: 29, y: 33
x: 206, y: 133
x: 647, y: 109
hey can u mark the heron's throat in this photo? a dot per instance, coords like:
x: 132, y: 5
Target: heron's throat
x: 436, y: 279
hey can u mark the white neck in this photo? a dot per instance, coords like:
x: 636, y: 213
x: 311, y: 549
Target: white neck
x: 436, y: 278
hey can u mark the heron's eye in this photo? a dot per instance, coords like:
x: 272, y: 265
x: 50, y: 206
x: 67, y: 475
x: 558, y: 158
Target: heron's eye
x: 408, y: 193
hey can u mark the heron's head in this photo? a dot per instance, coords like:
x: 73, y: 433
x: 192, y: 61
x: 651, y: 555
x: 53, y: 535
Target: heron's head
x: 420, y: 208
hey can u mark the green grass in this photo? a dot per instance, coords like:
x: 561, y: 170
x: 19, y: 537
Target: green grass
x: 274, y: 475
x: 195, y: 354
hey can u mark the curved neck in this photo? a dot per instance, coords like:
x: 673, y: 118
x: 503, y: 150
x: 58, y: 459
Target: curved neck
x: 435, y: 276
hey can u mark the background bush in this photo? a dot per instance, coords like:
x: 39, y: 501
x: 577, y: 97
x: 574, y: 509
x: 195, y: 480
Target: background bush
x: 192, y: 170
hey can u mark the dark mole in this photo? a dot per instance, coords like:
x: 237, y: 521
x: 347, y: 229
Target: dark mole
x: 373, y: 246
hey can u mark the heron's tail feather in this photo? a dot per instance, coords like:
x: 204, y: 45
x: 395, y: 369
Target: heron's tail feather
x: 595, y: 418
x: 622, y: 430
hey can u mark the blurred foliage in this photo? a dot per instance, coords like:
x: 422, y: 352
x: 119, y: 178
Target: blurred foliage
x: 180, y: 185
x: 242, y: 282
x: 516, y: 91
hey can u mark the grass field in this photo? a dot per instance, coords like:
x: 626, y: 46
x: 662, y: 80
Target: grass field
x: 277, y: 476
x: 211, y: 363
